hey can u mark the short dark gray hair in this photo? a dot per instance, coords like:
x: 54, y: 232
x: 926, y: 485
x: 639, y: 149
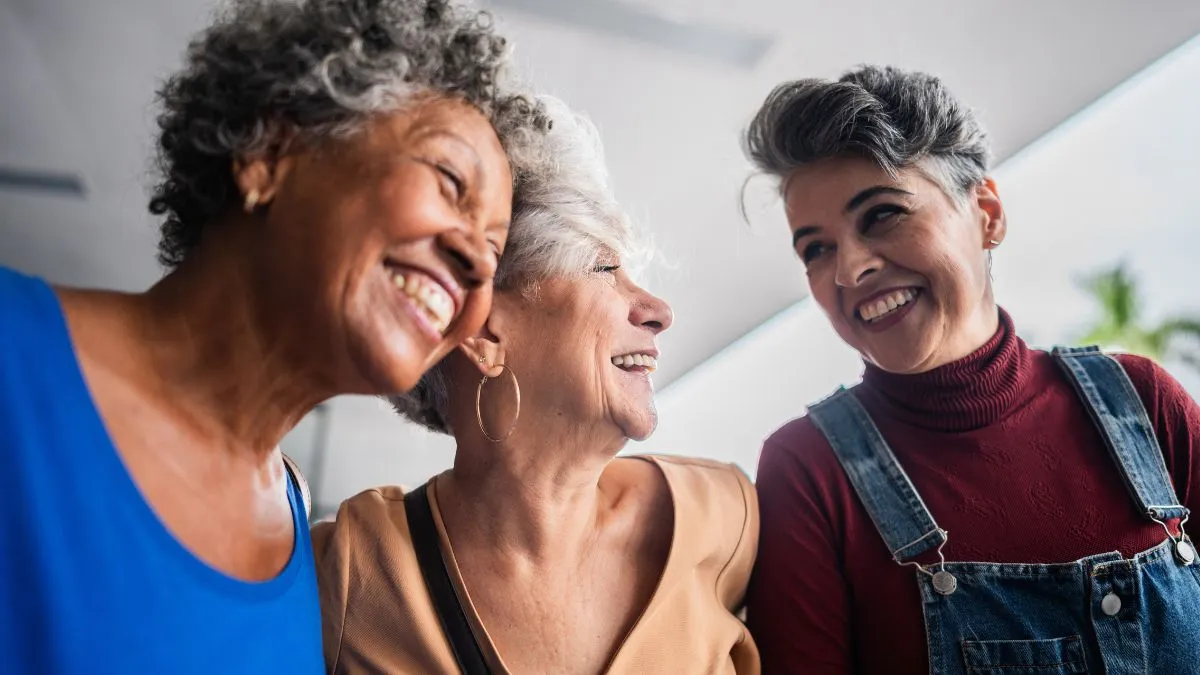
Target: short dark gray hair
x: 317, y: 69
x: 565, y: 218
x: 893, y: 117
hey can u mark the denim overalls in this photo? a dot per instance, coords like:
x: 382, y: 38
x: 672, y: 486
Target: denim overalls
x: 1102, y: 614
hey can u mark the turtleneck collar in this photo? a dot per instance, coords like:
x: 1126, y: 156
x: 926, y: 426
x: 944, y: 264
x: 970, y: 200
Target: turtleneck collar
x: 970, y: 393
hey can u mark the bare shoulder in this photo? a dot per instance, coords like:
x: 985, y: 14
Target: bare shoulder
x: 88, y: 310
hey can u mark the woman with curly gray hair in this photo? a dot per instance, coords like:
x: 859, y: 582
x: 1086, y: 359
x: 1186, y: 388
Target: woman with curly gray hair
x: 540, y: 551
x: 335, y: 195
x: 972, y: 505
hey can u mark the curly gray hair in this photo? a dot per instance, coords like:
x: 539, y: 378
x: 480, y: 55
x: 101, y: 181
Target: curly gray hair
x: 315, y: 69
x: 565, y: 219
x: 894, y: 117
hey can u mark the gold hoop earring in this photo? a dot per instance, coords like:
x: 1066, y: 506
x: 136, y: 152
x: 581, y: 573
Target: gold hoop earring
x: 251, y: 202
x: 479, y: 406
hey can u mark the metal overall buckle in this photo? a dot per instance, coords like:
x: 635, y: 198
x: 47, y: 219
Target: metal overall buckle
x: 1184, y: 550
x: 943, y: 582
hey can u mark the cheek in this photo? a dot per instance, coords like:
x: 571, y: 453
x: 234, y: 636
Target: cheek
x: 823, y: 287
x: 407, y: 207
x: 957, y: 280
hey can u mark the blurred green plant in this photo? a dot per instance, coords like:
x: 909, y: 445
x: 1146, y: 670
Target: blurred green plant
x: 1120, y: 323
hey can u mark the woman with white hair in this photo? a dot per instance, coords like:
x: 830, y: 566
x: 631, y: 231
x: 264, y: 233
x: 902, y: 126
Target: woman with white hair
x: 973, y: 505
x: 540, y: 551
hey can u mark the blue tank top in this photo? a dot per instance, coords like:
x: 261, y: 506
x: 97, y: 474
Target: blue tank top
x: 91, y: 581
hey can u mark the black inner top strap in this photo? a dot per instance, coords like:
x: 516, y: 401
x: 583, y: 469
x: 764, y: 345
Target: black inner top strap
x: 437, y: 579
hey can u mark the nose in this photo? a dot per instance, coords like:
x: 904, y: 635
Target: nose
x: 651, y: 311
x: 471, y: 256
x: 855, y: 262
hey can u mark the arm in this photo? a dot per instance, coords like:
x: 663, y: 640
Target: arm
x: 798, y: 606
x: 1175, y: 417
x: 331, y: 550
x: 732, y: 582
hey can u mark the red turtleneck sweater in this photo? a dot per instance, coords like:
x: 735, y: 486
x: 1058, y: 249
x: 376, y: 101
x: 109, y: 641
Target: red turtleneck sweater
x: 1007, y: 460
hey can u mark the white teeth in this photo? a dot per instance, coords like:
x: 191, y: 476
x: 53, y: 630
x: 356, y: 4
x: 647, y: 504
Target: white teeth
x: 428, y: 295
x: 885, y: 305
x: 627, y: 361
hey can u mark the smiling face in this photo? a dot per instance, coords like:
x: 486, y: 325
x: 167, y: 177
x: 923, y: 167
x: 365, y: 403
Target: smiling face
x: 584, y: 348
x: 898, y: 266
x: 380, y: 249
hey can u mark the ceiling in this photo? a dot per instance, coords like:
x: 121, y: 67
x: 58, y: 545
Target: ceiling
x: 78, y: 81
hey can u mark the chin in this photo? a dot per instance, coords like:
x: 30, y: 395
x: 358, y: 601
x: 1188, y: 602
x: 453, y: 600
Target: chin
x: 642, y: 428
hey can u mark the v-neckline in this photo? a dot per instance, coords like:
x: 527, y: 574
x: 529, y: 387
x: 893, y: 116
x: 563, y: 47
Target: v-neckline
x: 495, y: 660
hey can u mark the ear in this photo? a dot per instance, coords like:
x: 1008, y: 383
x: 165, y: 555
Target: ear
x: 259, y: 176
x: 486, y: 348
x: 485, y: 352
x: 992, y: 218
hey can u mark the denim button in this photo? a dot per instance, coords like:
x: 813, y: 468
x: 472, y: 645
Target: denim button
x: 945, y: 583
x: 1111, y: 604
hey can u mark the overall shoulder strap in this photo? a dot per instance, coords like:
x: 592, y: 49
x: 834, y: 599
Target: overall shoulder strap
x: 437, y: 579
x: 1117, y: 410
x: 897, y: 510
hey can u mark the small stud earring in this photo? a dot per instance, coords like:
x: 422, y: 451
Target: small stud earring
x: 251, y: 201
x: 483, y: 359
x: 993, y: 242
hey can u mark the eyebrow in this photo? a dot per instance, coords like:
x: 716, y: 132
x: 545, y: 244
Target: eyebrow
x: 858, y: 199
x: 473, y: 156
x: 802, y: 232
x: 853, y: 203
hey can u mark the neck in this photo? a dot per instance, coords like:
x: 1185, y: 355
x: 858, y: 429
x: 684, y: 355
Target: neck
x: 222, y: 359
x: 534, y: 498
x: 972, y: 392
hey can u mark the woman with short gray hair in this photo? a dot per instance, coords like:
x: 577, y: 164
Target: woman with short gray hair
x: 335, y: 193
x: 540, y: 551
x: 1070, y: 473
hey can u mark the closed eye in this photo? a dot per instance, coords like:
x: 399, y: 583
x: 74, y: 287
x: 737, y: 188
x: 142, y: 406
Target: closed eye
x: 452, y: 183
x: 606, y: 269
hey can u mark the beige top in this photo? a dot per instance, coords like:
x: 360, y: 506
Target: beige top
x: 379, y: 618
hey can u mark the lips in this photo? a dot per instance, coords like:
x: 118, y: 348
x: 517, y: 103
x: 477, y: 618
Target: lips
x: 435, y: 301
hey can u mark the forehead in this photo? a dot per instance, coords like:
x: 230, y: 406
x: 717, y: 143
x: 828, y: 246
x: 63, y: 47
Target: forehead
x: 835, y: 179
x: 451, y: 120
x: 458, y: 117
x: 828, y: 185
